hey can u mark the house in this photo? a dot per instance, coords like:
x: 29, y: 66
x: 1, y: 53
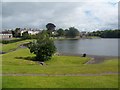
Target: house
x: 33, y: 32
x: 6, y: 35
x: 30, y: 31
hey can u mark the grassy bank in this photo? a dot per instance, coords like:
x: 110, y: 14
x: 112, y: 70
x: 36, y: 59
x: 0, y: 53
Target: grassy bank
x: 20, y: 62
x: 92, y: 37
x: 12, y: 46
x: 76, y: 38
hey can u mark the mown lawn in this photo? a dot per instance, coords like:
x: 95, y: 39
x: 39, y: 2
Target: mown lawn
x: 19, y: 62
x: 109, y: 81
x: 12, y: 46
x: 16, y: 62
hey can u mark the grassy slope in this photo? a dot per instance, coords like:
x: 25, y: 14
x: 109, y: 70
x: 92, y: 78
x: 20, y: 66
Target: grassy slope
x: 15, y: 62
x: 12, y: 63
x: 58, y: 64
x: 11, y: 46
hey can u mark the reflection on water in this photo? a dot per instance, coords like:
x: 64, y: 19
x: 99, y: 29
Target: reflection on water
x: 107, y: 47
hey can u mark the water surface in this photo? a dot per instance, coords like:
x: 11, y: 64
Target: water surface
x: 106, y: 47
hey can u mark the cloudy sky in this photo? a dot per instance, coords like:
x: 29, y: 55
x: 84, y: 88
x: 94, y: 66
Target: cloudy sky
x: 86, y: 16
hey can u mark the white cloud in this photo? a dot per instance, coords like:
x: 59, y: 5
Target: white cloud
x: 60, y: 0
x: 83, y: 15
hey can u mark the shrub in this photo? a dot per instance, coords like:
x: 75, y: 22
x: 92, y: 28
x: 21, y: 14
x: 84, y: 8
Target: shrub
x: 43, y: 47
x: 5, y: 41
x: 10, y: 41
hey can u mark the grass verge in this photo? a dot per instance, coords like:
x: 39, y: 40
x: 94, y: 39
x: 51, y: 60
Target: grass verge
x: 109, y: 81
x: 12, y: 46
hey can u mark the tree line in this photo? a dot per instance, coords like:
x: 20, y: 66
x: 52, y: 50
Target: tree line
x: 71, y: 32
x: 106, y: 33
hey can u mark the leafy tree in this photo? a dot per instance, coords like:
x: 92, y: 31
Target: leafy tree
x: 25, y: 35
x: 106, y: 33
x: 17, y: 32
x: 13, y: 33
x: 43, y: 47
x: 72, y: 32
x: 50, y: 28
x: 61, y: 32
x: 66, y: 31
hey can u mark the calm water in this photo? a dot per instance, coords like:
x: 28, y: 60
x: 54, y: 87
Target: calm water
x: 106, y: 47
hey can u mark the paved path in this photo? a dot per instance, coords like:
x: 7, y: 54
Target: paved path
x: 98, y: 74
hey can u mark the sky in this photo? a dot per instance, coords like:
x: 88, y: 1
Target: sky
x: 84, y: 15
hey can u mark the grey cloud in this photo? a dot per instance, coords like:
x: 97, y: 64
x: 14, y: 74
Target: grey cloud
x: 37, y: 15
x: 0, y: 16
x: 44, y: 12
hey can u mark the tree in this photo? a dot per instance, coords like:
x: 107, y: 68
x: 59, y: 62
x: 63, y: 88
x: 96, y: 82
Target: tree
x: 17, y: 32
x: 50, y: 28
x: 13, y: 33
x: 61, y: 32
x: 106, y: 33
x: 25, y: 35
x: 72, y: 32
x: 43, y: 47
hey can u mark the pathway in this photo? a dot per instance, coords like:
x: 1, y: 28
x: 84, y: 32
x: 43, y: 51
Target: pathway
x: 97, y: 74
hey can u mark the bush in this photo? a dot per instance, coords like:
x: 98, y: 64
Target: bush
x: 10, y: 41
x: 5, y: 41
x: 26, y: 35
x: 43, y: 47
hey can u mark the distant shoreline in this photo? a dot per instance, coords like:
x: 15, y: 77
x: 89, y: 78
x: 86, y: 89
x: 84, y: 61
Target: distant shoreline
x: 76, y: 38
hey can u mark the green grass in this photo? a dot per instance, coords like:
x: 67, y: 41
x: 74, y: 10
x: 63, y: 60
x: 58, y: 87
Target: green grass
x: 15, y: 62
x: 109, y: 81
x: 12, y: 46
x: 93, y: 37
x: 18, y: 62
x: 58, y: 64
x: 0, y: 82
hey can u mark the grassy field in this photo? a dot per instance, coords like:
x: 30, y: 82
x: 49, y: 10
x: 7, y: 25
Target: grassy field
x: 20, y: 62
x: 60, y: 82
x: 16, y: 62
x: 12, y: 46
x: 92, y: 37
